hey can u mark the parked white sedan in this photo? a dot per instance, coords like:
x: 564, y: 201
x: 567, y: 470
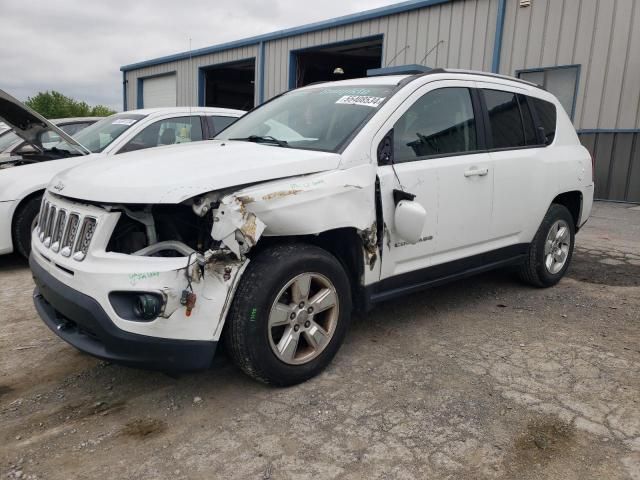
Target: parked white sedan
x: 24, y: 177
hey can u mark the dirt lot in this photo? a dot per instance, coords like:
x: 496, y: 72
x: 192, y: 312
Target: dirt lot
x: 484, y: 378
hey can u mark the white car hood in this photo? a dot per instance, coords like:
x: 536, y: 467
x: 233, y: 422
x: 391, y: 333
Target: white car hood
x: 29, y: 125
x: 179, y: 172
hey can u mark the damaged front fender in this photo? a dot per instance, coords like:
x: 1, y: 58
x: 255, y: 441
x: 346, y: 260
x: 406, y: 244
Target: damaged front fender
x: 236, y: 227
x: 303, y: 205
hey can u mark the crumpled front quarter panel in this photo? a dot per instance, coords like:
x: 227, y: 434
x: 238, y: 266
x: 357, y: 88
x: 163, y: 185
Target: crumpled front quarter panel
x: 312, y: 204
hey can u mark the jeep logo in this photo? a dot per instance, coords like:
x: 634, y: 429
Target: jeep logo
x: 59, y: 186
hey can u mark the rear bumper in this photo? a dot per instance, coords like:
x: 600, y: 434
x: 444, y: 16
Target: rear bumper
x: 80, y: 321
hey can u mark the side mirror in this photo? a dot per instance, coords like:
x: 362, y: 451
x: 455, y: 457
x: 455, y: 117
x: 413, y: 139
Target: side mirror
x: 409, y: 220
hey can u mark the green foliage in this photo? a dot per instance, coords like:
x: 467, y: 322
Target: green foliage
x: 56, y: 105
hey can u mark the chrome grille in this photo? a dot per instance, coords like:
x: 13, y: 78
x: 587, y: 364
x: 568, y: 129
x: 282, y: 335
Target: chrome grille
x: 51, y: 218
x: 58, y: 230
x: 86, y: 234
x: 70, y: 233
x: 67, y: 232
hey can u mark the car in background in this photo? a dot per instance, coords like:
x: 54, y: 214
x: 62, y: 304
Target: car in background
x: 12, y: 144
x: 24, y: 177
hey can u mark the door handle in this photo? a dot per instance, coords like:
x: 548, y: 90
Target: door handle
x: 476, y: 172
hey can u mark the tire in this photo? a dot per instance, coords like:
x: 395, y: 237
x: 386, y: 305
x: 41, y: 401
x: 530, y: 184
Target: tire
x: 263, y: 299
x: 23, y: 224
x: 537, y: 269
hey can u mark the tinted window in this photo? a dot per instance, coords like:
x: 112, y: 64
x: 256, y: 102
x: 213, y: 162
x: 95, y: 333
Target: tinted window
x: 441, y: 122
x: 530, y: 136
x: 217, y: 124
x: 166, y: 132
x: 546, y: 112
x: 504, y: 119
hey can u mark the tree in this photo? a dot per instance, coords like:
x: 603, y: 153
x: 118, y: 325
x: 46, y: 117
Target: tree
x: 56, y: 105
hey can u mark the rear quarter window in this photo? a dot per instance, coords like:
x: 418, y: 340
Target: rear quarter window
x: 547, y: 116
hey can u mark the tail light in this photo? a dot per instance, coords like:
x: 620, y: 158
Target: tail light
x: 593, y: 168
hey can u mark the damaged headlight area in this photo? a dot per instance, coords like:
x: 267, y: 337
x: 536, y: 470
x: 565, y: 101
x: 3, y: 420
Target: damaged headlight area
x: 160, y: 231
x: 207, y: 223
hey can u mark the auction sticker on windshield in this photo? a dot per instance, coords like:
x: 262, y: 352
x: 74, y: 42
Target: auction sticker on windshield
x: 367, y: 101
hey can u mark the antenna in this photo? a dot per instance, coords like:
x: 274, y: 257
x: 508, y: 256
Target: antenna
x: 429, y: 52
x: 397, y: 53
x: 191, y: 83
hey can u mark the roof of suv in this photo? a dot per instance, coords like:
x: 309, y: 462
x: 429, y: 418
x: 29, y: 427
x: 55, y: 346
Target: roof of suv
x: 450, y: 73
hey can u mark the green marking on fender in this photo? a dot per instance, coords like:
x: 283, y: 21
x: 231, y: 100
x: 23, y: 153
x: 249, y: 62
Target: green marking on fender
x: 136, y: 277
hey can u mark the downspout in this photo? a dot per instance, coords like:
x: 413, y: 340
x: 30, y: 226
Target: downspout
x: 124, y: 91
x: 497, y: 42
x: 261, y: 74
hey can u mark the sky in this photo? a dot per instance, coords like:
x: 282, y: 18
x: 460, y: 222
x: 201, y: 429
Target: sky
x: 78, y: 46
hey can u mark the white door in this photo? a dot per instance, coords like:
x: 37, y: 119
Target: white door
x: 438, y: 157
x: 159, y: 91
x: 517, y: 162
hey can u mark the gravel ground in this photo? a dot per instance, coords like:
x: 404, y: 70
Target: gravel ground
x: 483, y: 378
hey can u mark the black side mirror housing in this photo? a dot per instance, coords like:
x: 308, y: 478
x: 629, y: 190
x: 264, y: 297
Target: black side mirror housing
x: 385, y: 149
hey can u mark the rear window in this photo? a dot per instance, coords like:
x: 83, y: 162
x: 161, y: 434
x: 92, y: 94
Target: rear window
x: 547, y: 116
x: 504, y: 118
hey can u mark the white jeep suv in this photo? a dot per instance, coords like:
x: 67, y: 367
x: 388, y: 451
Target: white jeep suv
x: 326, y: 199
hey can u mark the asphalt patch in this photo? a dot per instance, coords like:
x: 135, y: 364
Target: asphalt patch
x: 602, y: 269
x: 143, y: 428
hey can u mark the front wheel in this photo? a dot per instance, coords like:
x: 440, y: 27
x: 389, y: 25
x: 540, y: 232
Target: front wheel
x: 24, y: 221
x: 551, y: 250
x: 289, y: 315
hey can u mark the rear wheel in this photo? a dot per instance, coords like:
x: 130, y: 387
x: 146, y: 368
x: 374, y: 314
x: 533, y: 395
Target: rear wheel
x: 289, y: 315
x: 551, y: 251
x: 24, y: 221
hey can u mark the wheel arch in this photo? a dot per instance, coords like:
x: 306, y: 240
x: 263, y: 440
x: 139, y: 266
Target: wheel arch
x: 21, y: 205
x: 345, y: 244
x: 572, y: 200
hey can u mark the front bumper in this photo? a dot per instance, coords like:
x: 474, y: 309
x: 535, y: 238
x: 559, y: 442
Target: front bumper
x: 80, y: 321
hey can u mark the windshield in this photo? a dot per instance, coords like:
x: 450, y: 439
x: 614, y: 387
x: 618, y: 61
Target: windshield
x: 7, y: 139
x: 321, y: 118
x: 98, y: 136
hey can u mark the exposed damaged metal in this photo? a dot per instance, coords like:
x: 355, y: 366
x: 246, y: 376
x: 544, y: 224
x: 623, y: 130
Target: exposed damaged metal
x: 235, y: 226
x: 370, y: 244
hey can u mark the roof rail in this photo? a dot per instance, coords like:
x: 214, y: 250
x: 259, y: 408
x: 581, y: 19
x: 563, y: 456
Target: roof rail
x: 484, y: 74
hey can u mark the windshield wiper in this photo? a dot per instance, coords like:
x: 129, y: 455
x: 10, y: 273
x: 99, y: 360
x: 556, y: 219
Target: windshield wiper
x: 261, y: 139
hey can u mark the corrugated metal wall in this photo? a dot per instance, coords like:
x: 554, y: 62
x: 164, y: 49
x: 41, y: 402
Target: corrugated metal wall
x: 466, y: 28
x: 186, y: 74
x: 601, y: 35
x: 617, y: 160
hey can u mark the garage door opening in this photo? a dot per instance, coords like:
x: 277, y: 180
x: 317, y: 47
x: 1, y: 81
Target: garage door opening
x: 230, y: 86
x: 339, y: 62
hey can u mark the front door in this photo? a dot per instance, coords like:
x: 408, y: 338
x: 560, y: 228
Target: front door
x: 438, y: 156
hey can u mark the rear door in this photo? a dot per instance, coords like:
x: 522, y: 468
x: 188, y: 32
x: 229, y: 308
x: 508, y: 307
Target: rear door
x: 517, y: 161
x: 439, y: 156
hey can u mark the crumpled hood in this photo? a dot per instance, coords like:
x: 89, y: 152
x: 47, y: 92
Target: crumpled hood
x: 179, y: 172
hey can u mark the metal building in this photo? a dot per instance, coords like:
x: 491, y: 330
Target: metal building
x: 580, y: 50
